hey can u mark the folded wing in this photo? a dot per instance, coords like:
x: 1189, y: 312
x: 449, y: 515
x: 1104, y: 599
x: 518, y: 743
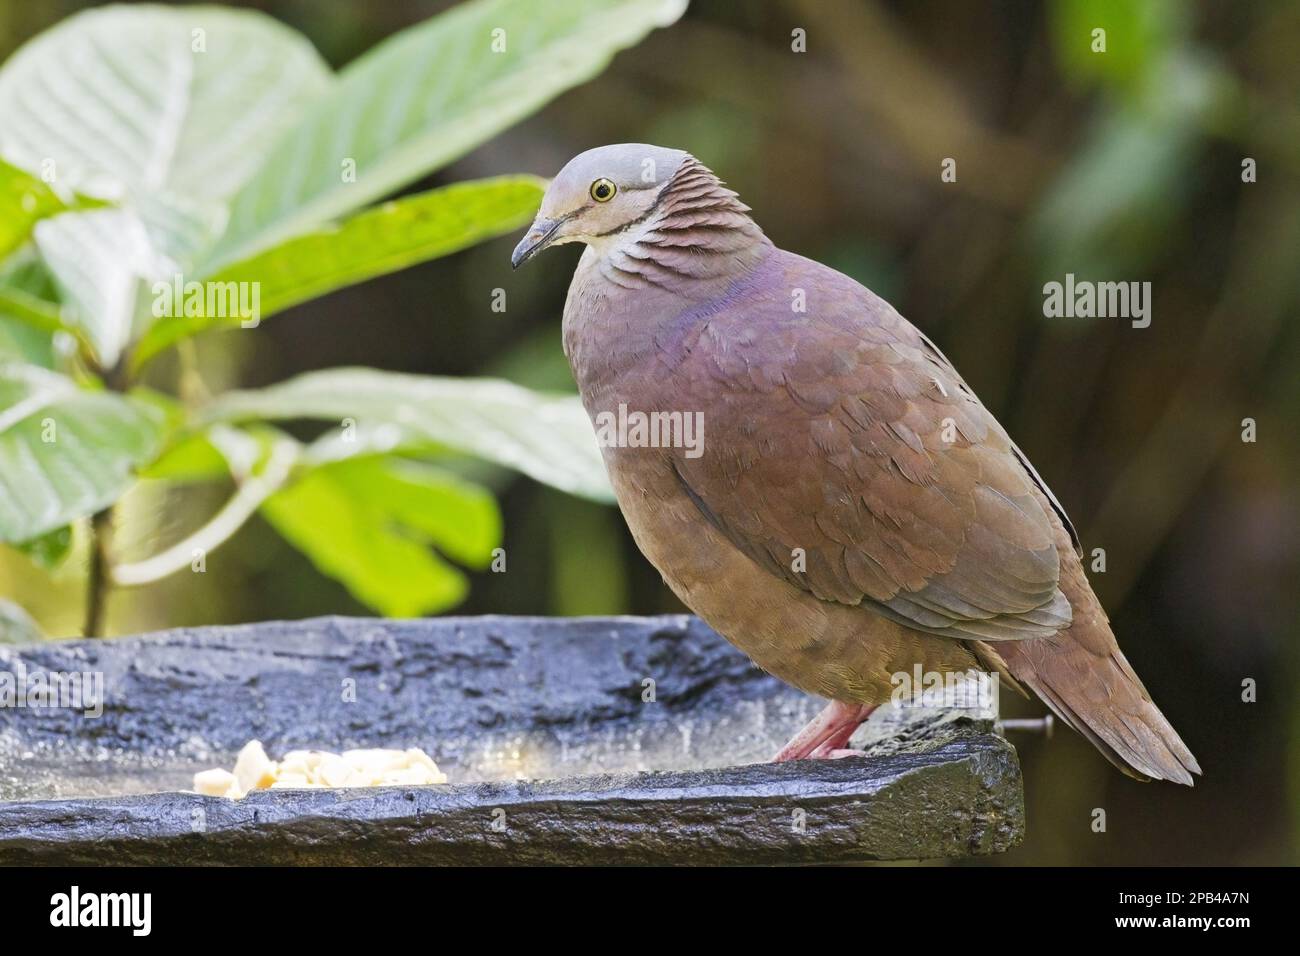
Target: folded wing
x: 852, y: 461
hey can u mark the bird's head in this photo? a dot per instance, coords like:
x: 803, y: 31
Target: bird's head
x: 598, y: 195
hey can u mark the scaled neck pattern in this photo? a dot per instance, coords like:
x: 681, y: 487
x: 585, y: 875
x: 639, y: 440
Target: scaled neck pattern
x: 698, y: 231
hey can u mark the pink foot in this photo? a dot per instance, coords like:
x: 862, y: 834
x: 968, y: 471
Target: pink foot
x: 827, y: 735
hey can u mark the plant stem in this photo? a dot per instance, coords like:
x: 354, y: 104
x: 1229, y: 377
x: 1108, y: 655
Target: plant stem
x: 101, y: 533
x: 101, y: 537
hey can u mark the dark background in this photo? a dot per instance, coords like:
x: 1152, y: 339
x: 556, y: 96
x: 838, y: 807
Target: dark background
x: 1122, y: 166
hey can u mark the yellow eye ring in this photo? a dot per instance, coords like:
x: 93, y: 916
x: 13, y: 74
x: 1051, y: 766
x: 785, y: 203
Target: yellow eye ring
x: 602, y: 190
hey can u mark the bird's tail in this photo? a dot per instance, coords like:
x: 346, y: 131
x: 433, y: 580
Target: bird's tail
x: 1081, y: 674
x: 1105, y: 702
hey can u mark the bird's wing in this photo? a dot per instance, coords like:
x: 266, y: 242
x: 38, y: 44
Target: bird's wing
x: 844, y: 455
x: 937, y: 356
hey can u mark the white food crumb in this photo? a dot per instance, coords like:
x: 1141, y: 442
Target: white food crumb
x: 306, y: 769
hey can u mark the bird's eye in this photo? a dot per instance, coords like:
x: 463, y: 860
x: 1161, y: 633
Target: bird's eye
x: 602, y: 190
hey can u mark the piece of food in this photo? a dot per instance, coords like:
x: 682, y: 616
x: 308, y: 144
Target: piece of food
x: 253, y: 769
x: 215, y: 783
x: 304, y: 769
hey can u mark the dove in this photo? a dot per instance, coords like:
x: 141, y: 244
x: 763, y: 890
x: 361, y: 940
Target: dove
x: 852, y: 511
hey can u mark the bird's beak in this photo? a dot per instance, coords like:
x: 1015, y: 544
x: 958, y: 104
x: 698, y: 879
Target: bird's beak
x: 538, y: 238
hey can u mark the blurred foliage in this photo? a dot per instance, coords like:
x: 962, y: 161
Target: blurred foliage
x: 1116, y: 196
x: 24, y: 200
x: 230, y: 204
x: 1136, y: 37
x: 370, y: 522
x: 372, y: 243
x: 16, y: 625
x: 1126, y: 165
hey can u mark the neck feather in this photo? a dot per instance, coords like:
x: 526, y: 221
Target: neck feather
x: 698, y: 229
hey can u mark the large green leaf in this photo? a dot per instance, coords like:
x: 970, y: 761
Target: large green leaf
x: 166, y: 111
x: 65, y: 451
x: 370, y: 523
x: 389, y: 237
x: 425, y: 97
x: 546, y: 436
x: 154, y: 99
x: 374, y: 242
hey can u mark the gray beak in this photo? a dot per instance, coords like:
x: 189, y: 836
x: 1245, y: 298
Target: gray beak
x: 538, y: 238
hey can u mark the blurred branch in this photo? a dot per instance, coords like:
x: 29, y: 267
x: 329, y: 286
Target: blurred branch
x: 893, y: 81
x: 101, y: 530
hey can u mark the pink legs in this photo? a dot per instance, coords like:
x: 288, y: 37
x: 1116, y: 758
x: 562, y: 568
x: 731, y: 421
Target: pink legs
x: 827, y: 735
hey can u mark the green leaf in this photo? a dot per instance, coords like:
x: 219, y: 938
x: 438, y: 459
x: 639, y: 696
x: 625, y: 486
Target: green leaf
x: 16, y: 625
x: 65, y: 452
x: 378, y: 241
x: 218, y: 452
x: 20, y: 340
x: 423, y: 98
x: 193, y: 458
x: 156, y: 100
x: 100, y: 261
x: 25, y: 199
x: 369, y: 523
x: 546, y: 436
x: 24, y: 308
x: 1138, y: 35
x: 49, y: 549
x: 355, y: 439
x: 393, y: 236
x: 167, y: 112
x: 28, y: 313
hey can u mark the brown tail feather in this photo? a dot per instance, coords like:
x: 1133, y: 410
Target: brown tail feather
x: 1105, y: 704
x: 1081, y: 674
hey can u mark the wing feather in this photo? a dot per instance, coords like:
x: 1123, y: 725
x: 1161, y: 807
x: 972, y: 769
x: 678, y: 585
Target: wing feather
x: 846, y: 455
